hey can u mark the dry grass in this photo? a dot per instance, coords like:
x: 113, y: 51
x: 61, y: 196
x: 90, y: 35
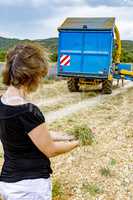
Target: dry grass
x: 91, y: 188
x: 83, y: 133
x: 105, y: 171
x: 102, y: 170
x: 51, y: 90
x: 107, y: 163
x: 2, y: 87
x: 59, y: 191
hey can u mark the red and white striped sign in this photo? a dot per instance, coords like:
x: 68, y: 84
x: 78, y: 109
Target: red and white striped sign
x: 65, y: 60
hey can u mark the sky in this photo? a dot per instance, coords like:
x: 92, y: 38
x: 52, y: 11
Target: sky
x: 39, y: 19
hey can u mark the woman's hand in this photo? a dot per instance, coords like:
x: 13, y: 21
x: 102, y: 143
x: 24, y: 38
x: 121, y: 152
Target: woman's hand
x: 77, y: 143
x: 43, y: 141
x: 57, y: 136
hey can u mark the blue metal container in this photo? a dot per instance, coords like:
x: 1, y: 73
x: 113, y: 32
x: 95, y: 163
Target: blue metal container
x: 126, y: 66
x: 85, y: 47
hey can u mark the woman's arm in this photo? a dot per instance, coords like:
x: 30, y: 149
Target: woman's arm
x: 42, y: 139
x: 63, y: 147
x: 57, y: 136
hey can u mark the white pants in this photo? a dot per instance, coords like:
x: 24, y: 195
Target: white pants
x: 31, y: 189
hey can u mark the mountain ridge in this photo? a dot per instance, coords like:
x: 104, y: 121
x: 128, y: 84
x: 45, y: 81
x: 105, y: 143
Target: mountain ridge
x: 50, y: 43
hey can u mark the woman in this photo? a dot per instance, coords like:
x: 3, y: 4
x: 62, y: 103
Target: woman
x: 24, y: 135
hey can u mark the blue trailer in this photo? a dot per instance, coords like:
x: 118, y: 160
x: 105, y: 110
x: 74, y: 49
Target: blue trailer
x: 85, y: 52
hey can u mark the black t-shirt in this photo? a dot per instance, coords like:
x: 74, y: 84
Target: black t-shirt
x: 22, y: 159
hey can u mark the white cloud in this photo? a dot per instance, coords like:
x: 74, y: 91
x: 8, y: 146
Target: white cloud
x: 69, y: 2
x: 110, y: 3
x: 4, y: 34
x: 38, y: 3
x: 123, y: 19
x: 46, y: 24
x: 92, y: 3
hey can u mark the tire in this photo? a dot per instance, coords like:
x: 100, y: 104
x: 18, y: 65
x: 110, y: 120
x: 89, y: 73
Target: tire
x: 107, y: 87
x: 72, y: 84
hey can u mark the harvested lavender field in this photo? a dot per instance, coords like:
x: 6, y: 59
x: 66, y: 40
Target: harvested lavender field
x: 102, y: 167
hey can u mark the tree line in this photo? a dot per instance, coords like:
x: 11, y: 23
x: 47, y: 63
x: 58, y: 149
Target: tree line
x: 126, y: 57
x: 2, y: 55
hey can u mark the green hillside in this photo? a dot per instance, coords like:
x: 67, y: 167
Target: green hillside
x: 51, y: 45
x: 127, y: 45
x: 6, y: 43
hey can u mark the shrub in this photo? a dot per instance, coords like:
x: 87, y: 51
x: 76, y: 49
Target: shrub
x: 105, y: 171
x: 56, y: 189
x: 113, y: 162
x: 92, y: 188
x: 54, y: 57
x: 2, y: 56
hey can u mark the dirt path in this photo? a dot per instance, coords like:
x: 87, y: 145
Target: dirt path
x: 54, y: 101
x: 91, y: 102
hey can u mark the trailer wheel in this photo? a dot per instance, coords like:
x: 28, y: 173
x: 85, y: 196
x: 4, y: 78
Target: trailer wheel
x: 107, y: 87
x: 73, y: 84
